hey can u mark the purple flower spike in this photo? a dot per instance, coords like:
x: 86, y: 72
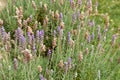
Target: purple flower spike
x: 74, y: 17
x: 92, y: 37
x: 18, y: 33
x: 2, y: 33
x: 71, y: 1
x: 22, y: 42
x: 61, y: 15
x: 58, y: 29
x: 49, y: 53
x: 29, y: 38
x: 69, y: 61
x: 68, y: 36
x: 99, y: 36
x: 89, y: 39
x: 113, y: 39
x: 33, y: 38
x: 41, y: 77
x: 37, y: 36
x: 41, y: 35
x: 78, y: 14
x: 60, y: 32
x: 98, y: 28
x: 34, y: 49
x: 66, y: 67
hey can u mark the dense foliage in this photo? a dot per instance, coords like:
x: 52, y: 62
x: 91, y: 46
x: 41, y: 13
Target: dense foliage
x: 57, y: 40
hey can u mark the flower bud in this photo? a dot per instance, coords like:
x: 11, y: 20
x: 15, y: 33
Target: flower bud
x: 61, y: 64
x: 80, y: 56
x: 39, y: 69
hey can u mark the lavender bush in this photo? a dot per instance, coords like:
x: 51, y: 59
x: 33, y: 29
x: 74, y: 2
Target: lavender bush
x: 58, y: 40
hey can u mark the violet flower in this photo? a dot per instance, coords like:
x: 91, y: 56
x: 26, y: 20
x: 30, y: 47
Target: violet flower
x: 18, y: 33
x: 74, y: 17
x: 22, y: 42
x: 41, y: 77
x: 41, y: 36
x: 37, y: 36
x: 49, y: 53
x: 33, y: 39
x: 29, y: 38
x: 92, y: 36
x: 2, y: 33
x: 71, y: 2
x: 88, y: 39
x: 69, y: 37
x: 34, y: 49
x: 113, y: 39
x: 61, y: 16
x: 60, y: 32
x: 69, y: 62
x: 66, y: 67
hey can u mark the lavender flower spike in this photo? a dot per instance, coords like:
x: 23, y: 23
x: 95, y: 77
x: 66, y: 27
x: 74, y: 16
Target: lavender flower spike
x: 41, y: 35
x: 22, y: 42
x: 49, y: 53
x: 41, y: 77
x: 61, y: 15
x: 68, y: 36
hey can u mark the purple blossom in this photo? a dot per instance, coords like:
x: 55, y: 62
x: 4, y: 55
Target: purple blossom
x: 58, y: 29
x: 69, y: 61
x: 78, y: 14
x: 60, y: 32
x: 22, y: 42
x: 66, y: 67
x: 61, y: 15
x: 74, y: 17
x: 41, y: 35
x: 41, y: 77
x: 91, y: 23
x: 37, y: 36
x: 98, y: 28
x: 18, y: 33
x: 89, y: 39
x: 92, y: 36
x: 34, y: 48
x: 113, y: 39
x: 2, y: 32
x: 71, y: 2
x: 32, y: 38
x: 29, y: 38
x: 49, y: 53
x: 68, y: 36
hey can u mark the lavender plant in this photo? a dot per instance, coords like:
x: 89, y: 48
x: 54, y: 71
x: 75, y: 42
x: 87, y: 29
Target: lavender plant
x: 58, y: 39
